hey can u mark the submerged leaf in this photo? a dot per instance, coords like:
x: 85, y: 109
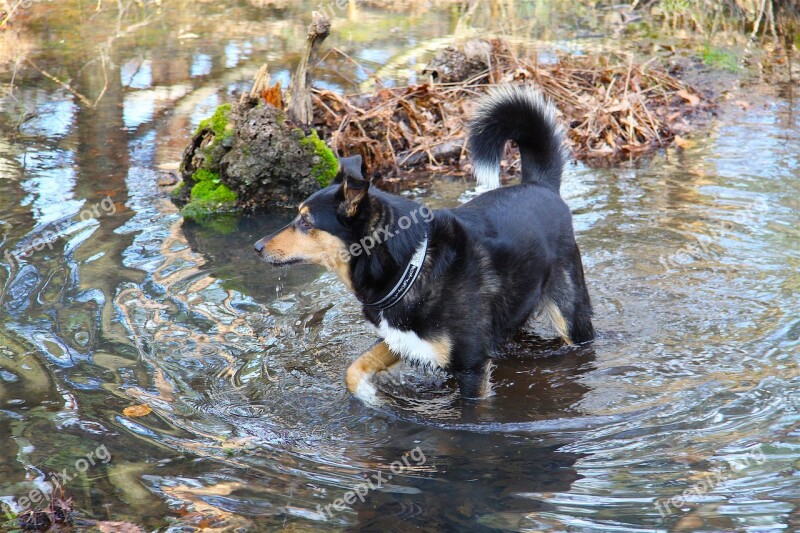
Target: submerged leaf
x: 135, y: 411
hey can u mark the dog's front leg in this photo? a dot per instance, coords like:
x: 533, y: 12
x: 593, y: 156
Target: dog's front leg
x: 360, y: 373
x: 475, y: 382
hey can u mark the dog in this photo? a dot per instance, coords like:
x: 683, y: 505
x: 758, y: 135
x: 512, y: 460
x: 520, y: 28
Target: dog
x: 446, y: 290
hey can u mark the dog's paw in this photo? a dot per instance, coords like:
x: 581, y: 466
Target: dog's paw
x: 367, y: 392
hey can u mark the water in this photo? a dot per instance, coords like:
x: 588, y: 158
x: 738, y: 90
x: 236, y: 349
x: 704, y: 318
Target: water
x: 692, y: 263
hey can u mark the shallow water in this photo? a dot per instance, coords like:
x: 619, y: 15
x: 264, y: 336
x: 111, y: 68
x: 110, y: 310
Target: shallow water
x: 692, y: 263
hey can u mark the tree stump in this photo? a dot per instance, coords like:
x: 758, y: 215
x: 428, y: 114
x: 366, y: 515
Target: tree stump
x: 254, y: 153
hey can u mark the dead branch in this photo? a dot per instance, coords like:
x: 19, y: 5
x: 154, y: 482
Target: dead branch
x: 300, y: 109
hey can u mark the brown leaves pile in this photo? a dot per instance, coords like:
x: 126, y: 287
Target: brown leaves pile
x: 396, y: 128
x: 618, y: 110
x: 615, y: 110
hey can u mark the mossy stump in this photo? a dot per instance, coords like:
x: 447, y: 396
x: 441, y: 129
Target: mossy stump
x: 250, y: 155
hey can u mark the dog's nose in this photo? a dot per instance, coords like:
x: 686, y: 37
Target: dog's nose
x: 259, y: 246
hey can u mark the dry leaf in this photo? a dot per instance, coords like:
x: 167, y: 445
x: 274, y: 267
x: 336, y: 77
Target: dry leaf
x: 135, y: 411
x: 273, y: 96
x: 683, y: 142
x: 693, y: 99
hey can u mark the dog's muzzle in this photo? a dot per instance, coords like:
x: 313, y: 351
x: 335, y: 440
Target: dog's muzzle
x: 268, y: 258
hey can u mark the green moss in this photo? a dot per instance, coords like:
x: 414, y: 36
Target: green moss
x: 176, y: 192
x: 203, y: 174
x: 215, y: 193
x: 324, y: 170
x: 218, y: 123
x: 221, y: 128
x: 200, y: 211
x: 718, y: 58
x: 209, y: 195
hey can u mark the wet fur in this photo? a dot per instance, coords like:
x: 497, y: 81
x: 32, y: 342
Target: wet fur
x: 492, y: 264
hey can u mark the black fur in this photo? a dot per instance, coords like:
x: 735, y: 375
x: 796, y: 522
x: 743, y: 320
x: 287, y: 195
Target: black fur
x: 492, y: 263
x: 522, y: 115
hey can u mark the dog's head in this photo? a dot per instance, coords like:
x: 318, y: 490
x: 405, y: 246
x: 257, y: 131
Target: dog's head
x: 327, y: 223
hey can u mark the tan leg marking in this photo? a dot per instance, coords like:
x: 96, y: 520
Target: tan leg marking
x: 552, y: 314
x: 360, y: 372
x: 442, y: 347
x: 486, y: 386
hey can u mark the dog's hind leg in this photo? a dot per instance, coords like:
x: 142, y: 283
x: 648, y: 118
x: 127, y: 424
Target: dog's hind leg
x: 360, y: 372
x: 552, y: 315
x: 571, y: 320
x: 580, y: 326
x: 566, y: 305
x: 580, y: 317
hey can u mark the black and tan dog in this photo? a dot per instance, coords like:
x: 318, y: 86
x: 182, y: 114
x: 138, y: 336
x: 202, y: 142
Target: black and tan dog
x: 444, y: 287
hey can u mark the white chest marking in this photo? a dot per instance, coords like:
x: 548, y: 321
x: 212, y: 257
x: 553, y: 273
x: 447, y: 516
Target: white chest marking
x: 407, y: 344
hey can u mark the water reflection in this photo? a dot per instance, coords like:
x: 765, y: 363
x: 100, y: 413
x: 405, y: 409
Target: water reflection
x: 243, y: 364
x: 463, y: 488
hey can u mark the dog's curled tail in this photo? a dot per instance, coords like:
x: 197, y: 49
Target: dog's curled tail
x: 521, y: 114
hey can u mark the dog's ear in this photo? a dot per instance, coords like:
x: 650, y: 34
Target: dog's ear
x: 349, y: 166
x: 355, y: 190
